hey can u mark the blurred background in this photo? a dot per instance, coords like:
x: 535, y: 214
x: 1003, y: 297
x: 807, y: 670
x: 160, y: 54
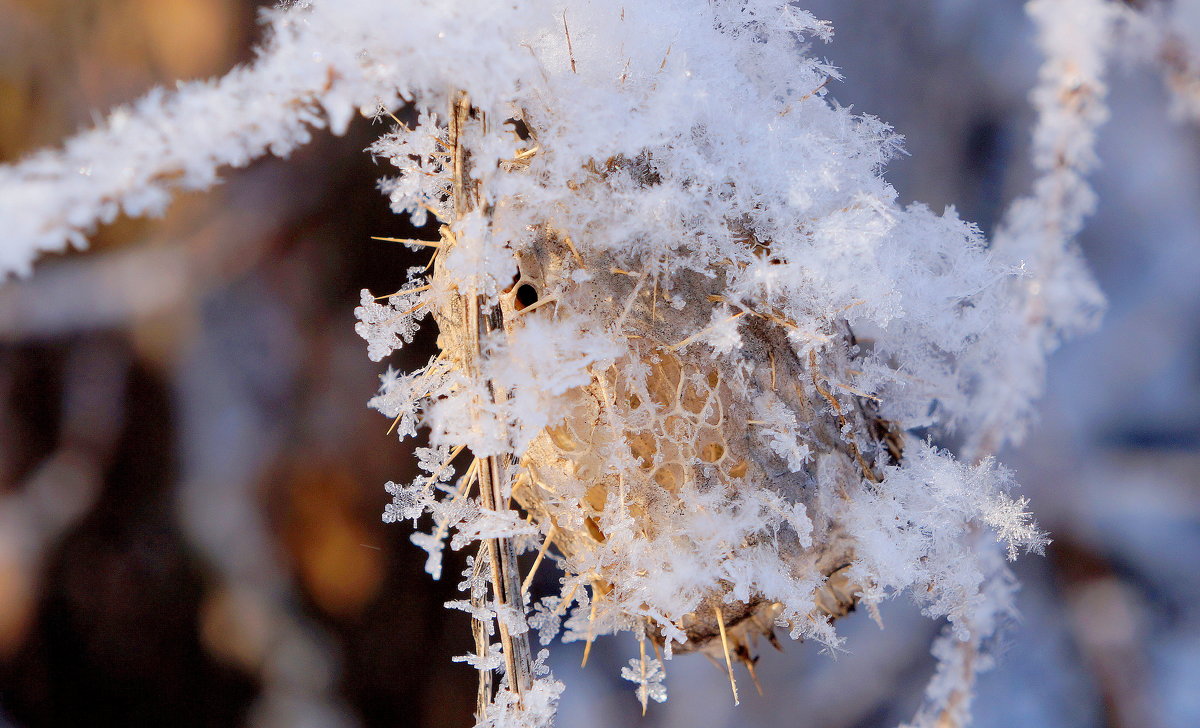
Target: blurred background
x: 191, y: 483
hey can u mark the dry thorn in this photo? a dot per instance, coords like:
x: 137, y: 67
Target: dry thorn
x: 406, y: 292
x: 570, y: 50
x: 851, y: 305
x: 429, y: 208
x: 587, y: 648
x: 539, y: 482
x: 464, y: 488
x: 432, y: 259
x: 399, y: 123
x: 701, y: 332
x: 535, y: 306
x: 788, y: 109
x: 562, y: 607
x: 395, y: 422
x: 409, y: 241
x: 521, y: 479
x: 453, y: 454
x: 658, y: 654
x: 725, y: 648
x: 414, y: 309
x: 748, y: 661
x: 541, y: 554
x: 574, y: 252
x: 854, y: 391
x: 643, y: 693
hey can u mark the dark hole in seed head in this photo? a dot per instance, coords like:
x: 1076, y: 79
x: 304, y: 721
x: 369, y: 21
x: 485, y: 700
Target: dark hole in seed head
x: 527, y: 295
x: 519, y: 128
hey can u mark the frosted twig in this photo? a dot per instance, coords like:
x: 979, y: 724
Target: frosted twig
x: 321, y: 63
x: 1056, y: 297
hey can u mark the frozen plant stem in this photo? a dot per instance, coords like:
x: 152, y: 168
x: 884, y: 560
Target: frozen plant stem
x: 477, y: 325
x: 1056, y: 294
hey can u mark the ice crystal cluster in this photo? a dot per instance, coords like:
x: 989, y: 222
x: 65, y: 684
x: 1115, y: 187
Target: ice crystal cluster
x: 685, y: 331
x: 693, y: 354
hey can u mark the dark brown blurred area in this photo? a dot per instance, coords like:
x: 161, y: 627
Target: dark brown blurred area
x: 190, y: 480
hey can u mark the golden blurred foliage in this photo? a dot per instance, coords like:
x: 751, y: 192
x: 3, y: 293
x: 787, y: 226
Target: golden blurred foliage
x: 324, y: 533
x: 18, y: 602
x: 189, y: 38
x: 60, y: 60
x: 235, y: 628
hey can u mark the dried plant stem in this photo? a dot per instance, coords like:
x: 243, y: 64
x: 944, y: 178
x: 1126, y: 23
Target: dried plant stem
x: 479, y: 630
x: 506, y: 585
x: 955, y: 704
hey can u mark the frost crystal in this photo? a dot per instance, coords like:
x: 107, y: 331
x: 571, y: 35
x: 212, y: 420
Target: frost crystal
x: 648, y: 675
x: 387, y: 326
x: 545, y: 619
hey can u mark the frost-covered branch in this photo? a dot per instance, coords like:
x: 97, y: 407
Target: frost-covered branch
x: 320, y: 64
x: 1054, y: 295
x: 1168, y: 34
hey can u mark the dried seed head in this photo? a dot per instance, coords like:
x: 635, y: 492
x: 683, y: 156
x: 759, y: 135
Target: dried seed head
x: 661, y: 443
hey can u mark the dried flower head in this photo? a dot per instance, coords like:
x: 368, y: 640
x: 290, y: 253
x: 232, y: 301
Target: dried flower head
x: 683, y: 358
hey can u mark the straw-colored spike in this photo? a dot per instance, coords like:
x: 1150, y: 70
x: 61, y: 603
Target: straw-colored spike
x: 587, y: 648
x: 538, y: 561
x: 562, y: 607
x: 464, y: 488
x: 725, y: 648
x: 643, y: 693
x: 658, y: 654
x: 574, y: 251
x: 405, y: 292
x: 409, y: 241
x: 706, y: 329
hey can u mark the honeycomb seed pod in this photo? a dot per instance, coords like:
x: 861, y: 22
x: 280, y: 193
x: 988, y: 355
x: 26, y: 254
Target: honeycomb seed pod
x: 670, y: 418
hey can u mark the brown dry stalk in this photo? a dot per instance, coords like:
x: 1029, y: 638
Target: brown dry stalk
x: 506, y: 585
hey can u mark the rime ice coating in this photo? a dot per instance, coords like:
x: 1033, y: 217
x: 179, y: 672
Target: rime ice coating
x: 322, y: 63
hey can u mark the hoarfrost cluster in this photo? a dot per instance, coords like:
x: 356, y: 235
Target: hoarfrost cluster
x: 687, y: 334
